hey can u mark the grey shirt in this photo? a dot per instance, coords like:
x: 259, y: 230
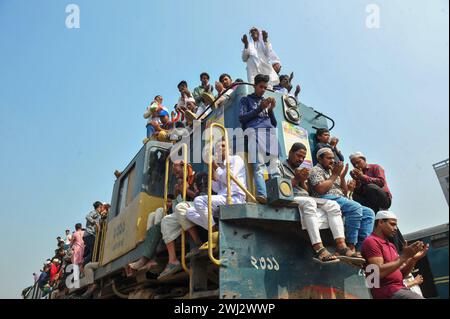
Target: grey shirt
x: 286, y: 171
x: 91, y: 219
x: 318, y: 175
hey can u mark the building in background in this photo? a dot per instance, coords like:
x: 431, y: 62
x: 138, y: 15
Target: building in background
x: 441, y: 170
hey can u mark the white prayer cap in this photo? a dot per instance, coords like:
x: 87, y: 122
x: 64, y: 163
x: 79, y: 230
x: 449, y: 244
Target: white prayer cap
x: 357, y: 155
x: 385, y: 214
x: 323, y: 151
x: 56, y: 260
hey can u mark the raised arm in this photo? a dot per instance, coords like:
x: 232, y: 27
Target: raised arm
x: 323, y: 186
x: 379, y: 179
x: 245, y: 51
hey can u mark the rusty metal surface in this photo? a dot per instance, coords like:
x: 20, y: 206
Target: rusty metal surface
x: 269, y: 257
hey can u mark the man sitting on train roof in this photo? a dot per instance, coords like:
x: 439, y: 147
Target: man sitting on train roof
x: 324, y: 139
x: 256, y: 114
x: 316, y: 213
x: 392, y: 268
x: 285, y: 86
x: 163, y: 128
x: 369, y: 187
x: 257, y: 54
x: 225, y: 87
x: 199, y: 213
x: 186, y: 102
x: 204, y: 88
x: 327, y: 180
x: 152, y: 114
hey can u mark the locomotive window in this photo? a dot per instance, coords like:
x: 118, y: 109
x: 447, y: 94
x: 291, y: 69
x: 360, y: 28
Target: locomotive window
x: 156, y: 171
x: 126, y: 190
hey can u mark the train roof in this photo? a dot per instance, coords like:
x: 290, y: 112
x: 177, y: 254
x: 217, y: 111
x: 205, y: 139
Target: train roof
x: 427, y: 232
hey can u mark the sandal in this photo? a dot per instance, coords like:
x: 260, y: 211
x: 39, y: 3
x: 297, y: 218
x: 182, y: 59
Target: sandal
x: 170, y: 270
x: 352, y: 258
x: 323, y: 256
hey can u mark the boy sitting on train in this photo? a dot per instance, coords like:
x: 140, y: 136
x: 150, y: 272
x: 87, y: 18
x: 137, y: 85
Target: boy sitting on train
x: 324, y: 139
x: 316, y: 213
x: 199, y: 213
x: 259, y: 123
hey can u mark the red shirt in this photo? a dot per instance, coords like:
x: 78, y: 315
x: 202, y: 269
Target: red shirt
x: 374, y: 174
x: 54, y: 270
x: 375, y: 246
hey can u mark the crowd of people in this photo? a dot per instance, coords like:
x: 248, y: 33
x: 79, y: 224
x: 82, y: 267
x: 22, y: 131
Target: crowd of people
x: 260, y: 58
x: 75, y: 248
x: 355, y: 210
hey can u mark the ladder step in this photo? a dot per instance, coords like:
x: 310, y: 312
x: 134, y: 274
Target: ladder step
x: 207, y: 294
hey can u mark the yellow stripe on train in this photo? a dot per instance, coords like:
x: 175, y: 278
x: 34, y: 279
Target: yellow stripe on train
x: 123, y: 234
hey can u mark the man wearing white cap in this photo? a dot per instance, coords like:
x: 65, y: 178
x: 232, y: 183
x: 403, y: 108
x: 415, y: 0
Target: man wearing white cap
x: 327, y: 180
x: 393, y: 268
x: 370, y: 186
x: 316, y: 213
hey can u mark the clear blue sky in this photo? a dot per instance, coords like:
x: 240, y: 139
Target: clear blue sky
x: 71, y: 101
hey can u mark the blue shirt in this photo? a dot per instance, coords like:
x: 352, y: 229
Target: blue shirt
x: 252, y: 115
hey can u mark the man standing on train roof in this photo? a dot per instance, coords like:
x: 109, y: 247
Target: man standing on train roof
x: 324, y: 139
x: 392, y: 268
x: 257, y: 54
x: 370, y: 188
x: 327, y: 180
x: 256, y: 113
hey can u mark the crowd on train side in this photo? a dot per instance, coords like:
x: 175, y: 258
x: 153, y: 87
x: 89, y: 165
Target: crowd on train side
x: 74, y: 248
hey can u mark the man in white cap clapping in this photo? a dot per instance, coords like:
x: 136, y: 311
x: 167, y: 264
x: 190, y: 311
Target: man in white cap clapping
x: 393, y: 268
x: 327, y: 180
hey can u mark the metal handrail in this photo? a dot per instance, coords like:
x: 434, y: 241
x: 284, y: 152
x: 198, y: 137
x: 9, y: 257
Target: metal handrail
x: 229, y: 178
x: 103, y: 229
x: 227, y: 160
x: 166, y: 191
x: 97, y: 236
x: 319, y: 114
x: 223, y: 93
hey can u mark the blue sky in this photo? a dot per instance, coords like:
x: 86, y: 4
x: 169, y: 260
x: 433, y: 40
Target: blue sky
x: 71, y: 100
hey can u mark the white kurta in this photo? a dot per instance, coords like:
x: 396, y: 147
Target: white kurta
x: 199, y: 213
x: 258, y: 58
